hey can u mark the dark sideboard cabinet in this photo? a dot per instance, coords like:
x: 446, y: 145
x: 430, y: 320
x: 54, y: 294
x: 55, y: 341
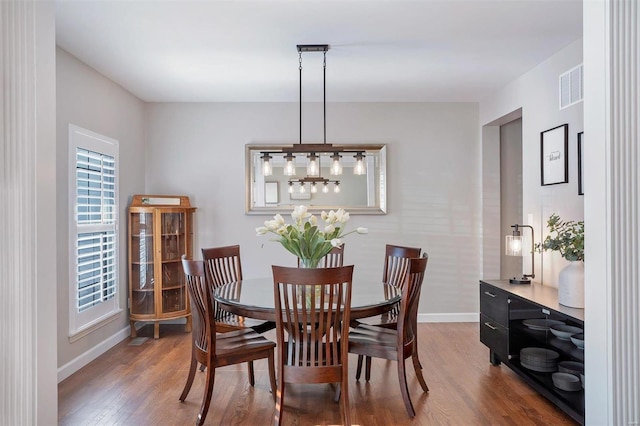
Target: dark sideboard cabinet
x: 516, y: 316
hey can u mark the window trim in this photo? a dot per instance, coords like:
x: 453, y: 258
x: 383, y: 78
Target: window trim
x: 82, y: 323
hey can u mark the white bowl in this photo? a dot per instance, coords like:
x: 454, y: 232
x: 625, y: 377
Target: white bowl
x: 563, y: 331
x: 578, y: 340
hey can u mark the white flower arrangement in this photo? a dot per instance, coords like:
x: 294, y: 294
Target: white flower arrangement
x: 304, y: 239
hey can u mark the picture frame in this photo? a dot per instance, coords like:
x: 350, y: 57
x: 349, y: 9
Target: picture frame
x: 580, y: 173
x: 271, y: 192
x: 297, y: 195
x: 554, y: 161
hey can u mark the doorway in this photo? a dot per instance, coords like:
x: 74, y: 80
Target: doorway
x: 501, y: 193
x: 510, y: 192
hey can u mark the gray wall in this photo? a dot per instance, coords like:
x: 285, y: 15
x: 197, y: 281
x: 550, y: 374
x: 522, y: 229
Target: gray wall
x: 433, y: 184
x: 536, y: 95
x: 90, y: 100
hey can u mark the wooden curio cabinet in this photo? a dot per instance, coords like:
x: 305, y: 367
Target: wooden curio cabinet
x: 160, y: 232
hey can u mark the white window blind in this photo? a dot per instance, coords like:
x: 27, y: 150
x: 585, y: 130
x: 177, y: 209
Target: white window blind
x: 94, y: 229
x: 95, y: 183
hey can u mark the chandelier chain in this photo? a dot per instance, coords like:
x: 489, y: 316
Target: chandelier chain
x: 324, y: 94
x: 300, y: 91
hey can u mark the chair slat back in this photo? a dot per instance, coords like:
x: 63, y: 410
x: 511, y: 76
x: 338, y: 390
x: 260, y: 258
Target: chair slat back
x: 408, y: 316
x: 222, y: 266
x: 313, y: 306
x: 396, y: 263
x: 201, y: 305
x: 335, y: 258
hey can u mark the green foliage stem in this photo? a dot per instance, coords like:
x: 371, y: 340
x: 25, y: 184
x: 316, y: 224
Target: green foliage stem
x: 566, y: 237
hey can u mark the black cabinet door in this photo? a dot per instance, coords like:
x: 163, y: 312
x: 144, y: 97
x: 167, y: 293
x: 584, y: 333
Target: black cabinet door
x: 494, y: 303
x: 495, y: 337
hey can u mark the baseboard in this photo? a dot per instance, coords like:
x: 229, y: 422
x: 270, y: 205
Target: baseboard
x: 461, y: 317
x: 80, y: 361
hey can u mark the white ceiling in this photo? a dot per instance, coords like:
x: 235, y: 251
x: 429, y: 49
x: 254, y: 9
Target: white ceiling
x: 381, y: 51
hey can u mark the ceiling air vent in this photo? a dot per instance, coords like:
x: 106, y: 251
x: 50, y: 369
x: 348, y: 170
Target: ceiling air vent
x: 571, y: 87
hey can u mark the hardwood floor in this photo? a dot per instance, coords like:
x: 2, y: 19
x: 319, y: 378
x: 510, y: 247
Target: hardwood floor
x: 140, y: 385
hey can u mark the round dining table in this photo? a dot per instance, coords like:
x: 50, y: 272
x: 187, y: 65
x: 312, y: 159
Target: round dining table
x: 253, y: 298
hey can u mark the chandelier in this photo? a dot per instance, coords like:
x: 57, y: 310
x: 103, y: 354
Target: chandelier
x: 314, y: 153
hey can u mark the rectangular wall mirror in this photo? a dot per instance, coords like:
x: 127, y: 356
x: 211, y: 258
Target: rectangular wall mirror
x: 349, y: 176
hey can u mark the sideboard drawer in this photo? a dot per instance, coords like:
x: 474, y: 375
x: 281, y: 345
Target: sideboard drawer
x: 494, y: 336
x: 494, y: 303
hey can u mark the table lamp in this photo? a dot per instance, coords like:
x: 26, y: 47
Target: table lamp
x: 513, y: 247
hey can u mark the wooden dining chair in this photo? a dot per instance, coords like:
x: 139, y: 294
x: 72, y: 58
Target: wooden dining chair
x: 398, y: 344
x: 212, y: 350
x: 223, y: 266
x: 313, y: 307
x: 396, y: 263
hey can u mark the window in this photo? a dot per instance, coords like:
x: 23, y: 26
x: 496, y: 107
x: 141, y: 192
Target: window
x: 94, y: 241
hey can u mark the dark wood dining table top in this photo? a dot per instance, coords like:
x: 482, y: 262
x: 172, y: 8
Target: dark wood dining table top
x: 253, y: 298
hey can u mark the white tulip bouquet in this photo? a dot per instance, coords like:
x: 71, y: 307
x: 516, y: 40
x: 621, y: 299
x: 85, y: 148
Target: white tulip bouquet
x: 304, y: 238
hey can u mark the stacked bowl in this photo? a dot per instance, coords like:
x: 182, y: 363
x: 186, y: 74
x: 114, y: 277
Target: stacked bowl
x: 564, y: 331
x: 539, y: 359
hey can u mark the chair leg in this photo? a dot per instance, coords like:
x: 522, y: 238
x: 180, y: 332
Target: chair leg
x: 359, y: 368
x: 418, y: 368
x: 272, y: 375
x: 404, y: 389
x: 367, y: 373
x: 415, y: 349
x: 208, y: 391
x: 344, y: 399
x: 252, y: 379
x: 279, y: 398
x: 192, y: 373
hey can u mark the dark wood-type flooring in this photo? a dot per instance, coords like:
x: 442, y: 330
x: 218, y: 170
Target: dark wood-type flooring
x: 140, y: 385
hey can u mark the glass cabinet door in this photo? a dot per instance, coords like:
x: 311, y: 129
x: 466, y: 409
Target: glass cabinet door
x: 142, y: 264
x: 173, y: 246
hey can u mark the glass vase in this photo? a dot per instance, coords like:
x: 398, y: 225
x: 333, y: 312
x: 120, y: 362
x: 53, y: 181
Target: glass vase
x: 312, y: 293
x: 308, y: 263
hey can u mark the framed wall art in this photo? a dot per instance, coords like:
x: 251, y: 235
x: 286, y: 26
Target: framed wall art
x: 554, y: 162
x: 271, y: 192
x: 580, y: 172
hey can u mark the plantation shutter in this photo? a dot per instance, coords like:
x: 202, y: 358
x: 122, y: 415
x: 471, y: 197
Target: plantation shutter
x: 96, y: 272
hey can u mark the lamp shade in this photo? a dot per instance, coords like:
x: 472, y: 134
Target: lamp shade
x: 290, y: 165
x: 513, y: 245
x: 313, y: 166
x: 267, y: 169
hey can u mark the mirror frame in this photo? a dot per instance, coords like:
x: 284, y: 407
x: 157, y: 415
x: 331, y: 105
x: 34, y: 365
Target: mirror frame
x: 380, y: 207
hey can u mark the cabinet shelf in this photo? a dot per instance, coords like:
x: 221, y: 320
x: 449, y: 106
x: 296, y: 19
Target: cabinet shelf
x: 504, y: 307
x: 173, y: 287
x: 571, y: 403
x: 160, y: 230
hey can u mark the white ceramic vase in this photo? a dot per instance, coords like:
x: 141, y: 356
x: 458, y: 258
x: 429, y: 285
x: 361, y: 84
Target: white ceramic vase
x: 571, y: 285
